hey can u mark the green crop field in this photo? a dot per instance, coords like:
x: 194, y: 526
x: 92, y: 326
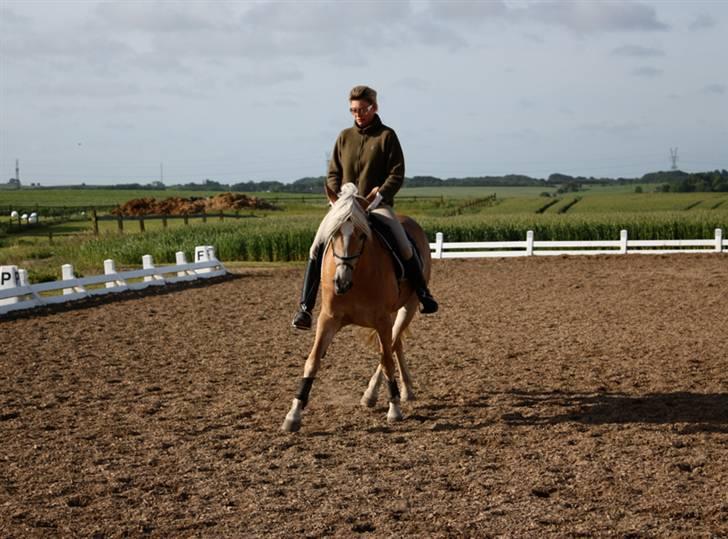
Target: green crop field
x: 461, y: 213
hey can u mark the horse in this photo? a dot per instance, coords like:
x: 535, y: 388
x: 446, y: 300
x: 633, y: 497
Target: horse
x: 359, y: 286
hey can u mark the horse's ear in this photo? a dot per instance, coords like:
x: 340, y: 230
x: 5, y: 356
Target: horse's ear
x: 330, y: 194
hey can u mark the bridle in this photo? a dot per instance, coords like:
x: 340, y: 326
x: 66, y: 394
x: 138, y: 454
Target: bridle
x: 346, y: 260
x: 349, y: 260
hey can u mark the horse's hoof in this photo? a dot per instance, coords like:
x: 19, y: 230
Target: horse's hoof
x: 394, y: 413
x: 291, y: 425
x: 369, y: 402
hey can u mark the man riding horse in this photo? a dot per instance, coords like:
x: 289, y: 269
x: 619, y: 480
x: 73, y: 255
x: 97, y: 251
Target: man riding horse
x: 369, y: 155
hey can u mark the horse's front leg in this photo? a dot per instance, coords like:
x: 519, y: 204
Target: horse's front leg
x: 326, y: 328
x: 384, y: 329
x: 369, y: 399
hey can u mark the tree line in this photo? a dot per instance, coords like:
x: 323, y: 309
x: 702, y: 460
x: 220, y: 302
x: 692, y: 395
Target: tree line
x: 667, y: 181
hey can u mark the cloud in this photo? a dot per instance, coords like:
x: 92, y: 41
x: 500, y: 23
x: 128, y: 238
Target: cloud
x: 432, y: 34
x: 54, y: 44
x: 535, y: 38
x: 157, y: 16
x: 715, y: 88
x: 261, y: 75
x: 467, y: 10
x: 9, y: 17
x: 701, y: 22
x: 637, y: 51
x: 611, y: 128
x: 77, y: 89
x: 647, y: 72
x: 590, y: 17
x: 414, y: 83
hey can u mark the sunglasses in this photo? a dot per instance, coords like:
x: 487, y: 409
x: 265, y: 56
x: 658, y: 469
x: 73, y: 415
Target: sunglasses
x: 361, y: 111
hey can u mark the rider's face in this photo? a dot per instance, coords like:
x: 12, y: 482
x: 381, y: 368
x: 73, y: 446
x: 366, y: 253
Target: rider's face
x: 363, y: 111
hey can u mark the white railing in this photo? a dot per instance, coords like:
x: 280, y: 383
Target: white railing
x: 16, y: 293
x: 532, y: 247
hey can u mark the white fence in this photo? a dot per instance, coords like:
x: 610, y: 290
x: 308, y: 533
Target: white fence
x: 531, y: 247
x: 16, y: 293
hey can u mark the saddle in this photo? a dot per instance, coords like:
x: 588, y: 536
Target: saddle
x: 385, y: 235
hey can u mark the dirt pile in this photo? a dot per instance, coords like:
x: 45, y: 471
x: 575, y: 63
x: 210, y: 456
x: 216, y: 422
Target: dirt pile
x: 192, y: 205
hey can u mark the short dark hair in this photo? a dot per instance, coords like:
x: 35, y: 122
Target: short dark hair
x: 365, y: 93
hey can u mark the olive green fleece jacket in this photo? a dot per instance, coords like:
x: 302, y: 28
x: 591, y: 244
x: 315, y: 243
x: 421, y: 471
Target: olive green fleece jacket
x: 369, y: 157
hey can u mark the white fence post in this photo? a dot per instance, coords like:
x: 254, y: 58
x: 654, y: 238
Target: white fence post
x: 718, y: 240
x: 110, y: 269
x: 529, y: 243
x: 180, y: 259
x: 148, y: 263
x: 9, y: 278
x: 623, y: 242
x: 67, y: 275
x: 439, y: 240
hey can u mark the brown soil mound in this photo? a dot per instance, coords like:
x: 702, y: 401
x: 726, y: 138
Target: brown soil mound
x: 557, y: 398
x: 187, y: 206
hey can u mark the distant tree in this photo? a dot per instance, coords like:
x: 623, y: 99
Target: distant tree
x: 560, y: 178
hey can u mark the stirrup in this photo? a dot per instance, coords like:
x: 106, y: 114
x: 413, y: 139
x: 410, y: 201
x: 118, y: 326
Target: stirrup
x: 302, y: 320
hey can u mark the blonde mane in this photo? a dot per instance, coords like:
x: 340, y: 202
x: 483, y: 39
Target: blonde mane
x: 346, y: 208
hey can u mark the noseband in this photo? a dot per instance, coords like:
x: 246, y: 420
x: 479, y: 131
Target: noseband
x: 346, y: 260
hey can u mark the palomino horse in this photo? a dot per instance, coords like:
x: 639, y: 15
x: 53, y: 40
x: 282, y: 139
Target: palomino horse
x: 359, y: 286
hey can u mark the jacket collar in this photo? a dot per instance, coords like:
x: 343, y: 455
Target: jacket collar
x: 374, y: 126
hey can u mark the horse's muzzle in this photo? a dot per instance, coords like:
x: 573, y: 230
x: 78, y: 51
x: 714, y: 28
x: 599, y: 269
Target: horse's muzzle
x: 341, y: 287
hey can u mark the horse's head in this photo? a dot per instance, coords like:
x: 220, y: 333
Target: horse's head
x: 348, y: 232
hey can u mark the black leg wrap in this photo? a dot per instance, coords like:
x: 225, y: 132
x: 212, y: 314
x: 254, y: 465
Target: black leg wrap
x: 393, y: 390
x: 304, y: 389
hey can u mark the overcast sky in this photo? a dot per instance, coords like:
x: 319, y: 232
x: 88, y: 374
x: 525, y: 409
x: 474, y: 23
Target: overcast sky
x: 106, y: 92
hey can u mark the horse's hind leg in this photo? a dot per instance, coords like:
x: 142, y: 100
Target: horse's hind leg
x: 325, y: 331
x: 404, y: 317
x: 402, y: 321
x: 384, y: 329
x: 407, y: 393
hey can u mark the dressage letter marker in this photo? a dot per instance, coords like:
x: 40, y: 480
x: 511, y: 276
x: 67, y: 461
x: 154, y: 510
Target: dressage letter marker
x: 9, y: 278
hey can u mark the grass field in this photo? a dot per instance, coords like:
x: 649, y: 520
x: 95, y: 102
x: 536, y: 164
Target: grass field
x: 462, y: 214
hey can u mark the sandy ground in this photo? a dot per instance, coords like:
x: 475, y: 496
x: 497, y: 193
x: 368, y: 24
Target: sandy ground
x: 559, y: 397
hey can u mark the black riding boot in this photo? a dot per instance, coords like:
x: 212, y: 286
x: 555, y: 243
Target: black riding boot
x: 311, y: 281
x: 413, y: 272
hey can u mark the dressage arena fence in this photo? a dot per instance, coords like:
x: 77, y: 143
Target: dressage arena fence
x: 17, y: 294
x: 531, y: 247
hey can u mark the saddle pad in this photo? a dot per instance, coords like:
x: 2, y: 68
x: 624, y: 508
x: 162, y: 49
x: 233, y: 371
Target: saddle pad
x: 385, y: 235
